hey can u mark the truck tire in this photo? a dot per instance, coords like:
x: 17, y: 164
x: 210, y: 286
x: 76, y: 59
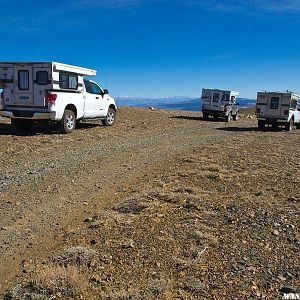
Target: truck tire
x: 261, y: 124
x: 236, y: 116
x: 22, y: 125
x: 205, y: 116
x: 289, y: 125
x: 110, y: 118
x: 68, y: 122
x: 228, y: 118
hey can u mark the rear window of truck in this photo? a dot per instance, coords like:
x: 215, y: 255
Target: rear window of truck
x: 274, y: 103
x: 68, y: 81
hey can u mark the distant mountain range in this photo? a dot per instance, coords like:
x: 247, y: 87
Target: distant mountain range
x: 173, y: 103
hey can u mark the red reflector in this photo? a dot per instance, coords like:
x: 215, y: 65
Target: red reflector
x: 286, y: 112
x: 52, y: 98
x: 258, y: 110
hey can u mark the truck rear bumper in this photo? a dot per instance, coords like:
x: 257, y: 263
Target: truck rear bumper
x: 272, y: 120
x: 26, y: 114
x: 211, y: 112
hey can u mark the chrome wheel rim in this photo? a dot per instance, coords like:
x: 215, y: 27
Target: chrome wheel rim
x: 110, y: 117
x: 70, y: 122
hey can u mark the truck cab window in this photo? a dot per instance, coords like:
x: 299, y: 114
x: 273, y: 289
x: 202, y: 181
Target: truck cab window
x: 92, y: 88
x: 96, y: 89
x: 294, y: 103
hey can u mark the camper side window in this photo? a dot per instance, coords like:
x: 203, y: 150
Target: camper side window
x: 42, y: 77
x: 216, y: 97
x: 68, y: 81
x: 274, y: 103
x: 23, y: 80
x: 225, y: 97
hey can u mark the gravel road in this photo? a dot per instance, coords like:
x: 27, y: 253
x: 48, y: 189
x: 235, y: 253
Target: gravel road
x: 50, y: 182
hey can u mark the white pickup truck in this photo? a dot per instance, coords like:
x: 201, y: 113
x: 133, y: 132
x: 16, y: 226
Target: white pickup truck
x: 278, y: 108
x: 51, y: 91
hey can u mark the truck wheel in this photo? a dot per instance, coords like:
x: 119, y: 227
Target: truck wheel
x: 236, y: 116
x: 22, y: 125
x: 68, y: 122
x: 228, y: 118
x: 205, y: 116
x: 289, y: 125
x: 261, y: 124
x: 110, y: 118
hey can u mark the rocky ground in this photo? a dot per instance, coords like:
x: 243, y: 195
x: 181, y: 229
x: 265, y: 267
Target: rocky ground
x: 163, y: 205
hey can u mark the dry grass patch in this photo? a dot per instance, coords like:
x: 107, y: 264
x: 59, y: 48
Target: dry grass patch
x: 52, y: 282
x: 76, y: 256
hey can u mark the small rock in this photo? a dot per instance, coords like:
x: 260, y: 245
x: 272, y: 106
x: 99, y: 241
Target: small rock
x: 93, y: 242
x: 281, y: 277
x: 293, y: 199
x: 88, y: 220
x: 275, y: 232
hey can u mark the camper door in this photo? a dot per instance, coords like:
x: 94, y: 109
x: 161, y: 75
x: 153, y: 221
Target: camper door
x: 274, y: 107
x: 23, y: 93
x: 216, y: 100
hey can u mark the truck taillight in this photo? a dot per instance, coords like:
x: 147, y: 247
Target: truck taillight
x: 225, y: 108
x: 52, y: 97
x: 258, y: 110
x: 286, y: 112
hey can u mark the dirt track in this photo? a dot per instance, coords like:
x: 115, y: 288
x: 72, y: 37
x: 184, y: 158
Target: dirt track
x: 50, y: 183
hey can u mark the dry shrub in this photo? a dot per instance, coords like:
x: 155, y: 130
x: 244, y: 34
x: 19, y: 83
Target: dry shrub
x: 121, y: 295
x: 158, y: 287
x: 58, y: 280
x: 75, y: 256
x: 49, y: 283
x: 24, y: 292
x: 132, y: 205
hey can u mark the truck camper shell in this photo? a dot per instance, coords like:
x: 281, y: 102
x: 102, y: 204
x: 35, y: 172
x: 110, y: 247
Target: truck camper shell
x: 278, y: 109
x: 220, y: 103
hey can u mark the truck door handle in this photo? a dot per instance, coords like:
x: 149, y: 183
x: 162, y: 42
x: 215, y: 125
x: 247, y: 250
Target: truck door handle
x: 97, y: 97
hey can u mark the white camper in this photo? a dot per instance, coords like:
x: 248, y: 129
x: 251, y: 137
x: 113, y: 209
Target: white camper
x: 220, y: 103
x: 51, y: 91
x: 278, y: 108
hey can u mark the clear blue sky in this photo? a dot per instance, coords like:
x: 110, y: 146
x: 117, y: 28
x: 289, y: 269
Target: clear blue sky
x: 161, y: 48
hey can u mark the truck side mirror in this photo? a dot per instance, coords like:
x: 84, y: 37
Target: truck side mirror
x: 105, y: 91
